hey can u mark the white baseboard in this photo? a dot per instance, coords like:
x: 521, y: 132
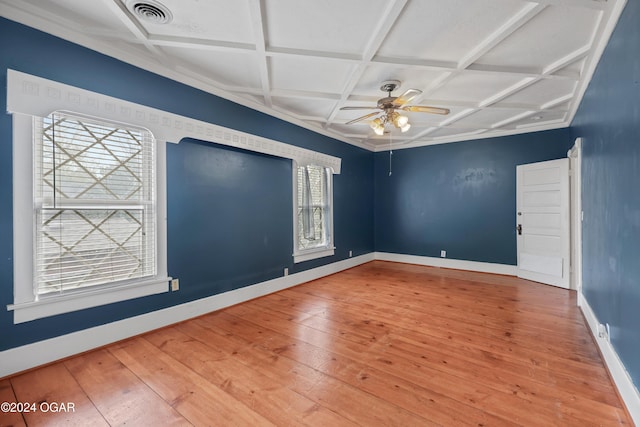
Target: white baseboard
x: 621, y: 378
x: 482, y: 267
x: 39, y: 353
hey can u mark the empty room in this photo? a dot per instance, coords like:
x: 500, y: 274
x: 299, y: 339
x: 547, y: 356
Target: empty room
x: 325, y: 213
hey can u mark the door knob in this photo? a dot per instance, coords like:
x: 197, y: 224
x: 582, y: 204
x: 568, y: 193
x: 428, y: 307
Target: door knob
x: 519, y: 228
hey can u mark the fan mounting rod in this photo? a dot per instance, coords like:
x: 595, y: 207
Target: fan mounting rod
x: 390, y: 85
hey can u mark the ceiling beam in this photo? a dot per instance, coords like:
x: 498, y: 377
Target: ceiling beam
x: 389, y: 16
x: 496, y: 37
x: 501, y: 33
x: 586, y: 4
x: 201, y: 44
x: 258, y: 24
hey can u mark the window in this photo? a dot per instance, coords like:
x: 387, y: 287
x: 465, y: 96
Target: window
x: 313, y: 224
x: 94, y: 227
x: 94, y: 201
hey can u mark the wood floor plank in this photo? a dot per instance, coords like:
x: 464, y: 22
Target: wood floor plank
x: 295, y: 371
x: 379, y: 344
x: 49, y: 387
x: 493, y: 371
x: 274, y: 400
x: 8, y: 417
x: 377, y: 329
x: 120, y: 396
x: 309, y: 350
x: 182, y: 388
x: 464, y: 333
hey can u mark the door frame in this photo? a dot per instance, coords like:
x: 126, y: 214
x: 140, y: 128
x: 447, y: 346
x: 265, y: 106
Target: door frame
x: 576, y: 215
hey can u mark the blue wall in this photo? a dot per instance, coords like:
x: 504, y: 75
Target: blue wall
x: 609, y: 121
x: 229, y: 211
x: 460, y: 197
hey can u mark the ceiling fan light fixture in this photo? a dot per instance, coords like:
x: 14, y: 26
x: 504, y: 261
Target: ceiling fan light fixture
x: 405, y: 128
x: 401, y: 121
x: 378, y: 126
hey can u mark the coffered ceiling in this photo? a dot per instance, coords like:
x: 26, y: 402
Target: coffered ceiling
x: 500, y: 66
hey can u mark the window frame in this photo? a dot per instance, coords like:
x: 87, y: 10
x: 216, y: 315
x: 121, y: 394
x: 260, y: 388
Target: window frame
x: 27, y: 304
x: 328, y: 249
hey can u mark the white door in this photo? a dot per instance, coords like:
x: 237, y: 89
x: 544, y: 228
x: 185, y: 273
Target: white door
x: 542, y: 222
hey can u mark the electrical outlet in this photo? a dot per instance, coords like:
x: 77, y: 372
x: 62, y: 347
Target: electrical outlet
x: 350, y: 254
x: 175, y: 285
x: 603, y: 331
x: 443, y: 254
x: 286, y: 271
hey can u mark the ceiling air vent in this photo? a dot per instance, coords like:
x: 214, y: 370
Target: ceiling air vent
x: 150, y: 11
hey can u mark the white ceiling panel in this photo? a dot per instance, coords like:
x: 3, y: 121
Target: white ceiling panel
x: 490, y: 116
x: 307, y: 108
x: 446, y: 30
x: 215, y: 20
x: 226, y: 68
x: 325, y: 26
x: 474, y: 87
x: 308, y: 74
x: 555, y: 33
x: 542, y: 92
x: 411, y: 78
x: 499, y: 66
x: 88, y: 14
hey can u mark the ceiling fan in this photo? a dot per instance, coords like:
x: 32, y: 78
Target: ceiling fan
x: 390, y: 104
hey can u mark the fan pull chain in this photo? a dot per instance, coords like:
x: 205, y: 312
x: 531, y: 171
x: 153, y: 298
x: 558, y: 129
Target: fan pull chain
x: 390, y: 153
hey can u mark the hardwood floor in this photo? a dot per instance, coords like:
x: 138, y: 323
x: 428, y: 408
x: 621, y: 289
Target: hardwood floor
x: 381, y: 344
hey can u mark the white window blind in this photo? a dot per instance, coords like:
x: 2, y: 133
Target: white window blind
x: 94, y: 204
x: 313, y: 211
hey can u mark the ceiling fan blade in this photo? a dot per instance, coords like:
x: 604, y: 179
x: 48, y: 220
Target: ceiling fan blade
x: 426, y: 109
x: 359, y: 108
x: 366, y: 116
x: 406, y: 97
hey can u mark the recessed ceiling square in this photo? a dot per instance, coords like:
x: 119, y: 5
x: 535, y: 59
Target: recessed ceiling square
x: 542, y: 92
x: 309, y: 74
x: 309, y: 107
x: 553, y: 34
x: 488, y: 117
x: 327, y: 26
x: 475, y: 87
x: 226, y: 68
x: 210, y: 20
x: 446, y: 30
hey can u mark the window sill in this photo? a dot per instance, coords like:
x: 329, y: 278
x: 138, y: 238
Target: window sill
x: 313, y: 254
x: 59, y: 304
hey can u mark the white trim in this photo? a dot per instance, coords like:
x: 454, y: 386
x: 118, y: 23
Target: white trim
x: 39, y: 97
x: 25, y: 307
x: 628, y: 392
x: 66, y: 303
x: 482, y: 267
x: 23, y: 212
x: 575, y: 159
x: 31, y: 355
x: 317, y: 252
x: 313, y: 254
